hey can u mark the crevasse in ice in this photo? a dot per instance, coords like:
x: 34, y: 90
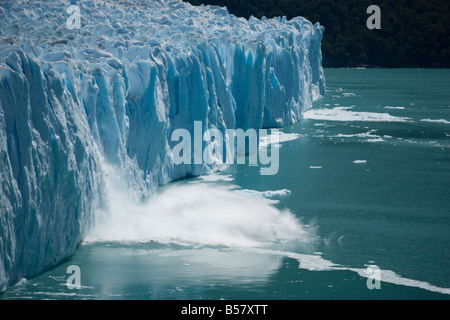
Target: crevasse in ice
x: 113, y: 91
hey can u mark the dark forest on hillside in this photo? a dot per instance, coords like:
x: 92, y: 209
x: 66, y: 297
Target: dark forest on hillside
x: 414, y: 33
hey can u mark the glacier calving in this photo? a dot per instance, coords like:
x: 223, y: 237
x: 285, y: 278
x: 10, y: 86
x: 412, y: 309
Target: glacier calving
x: 109, y: 94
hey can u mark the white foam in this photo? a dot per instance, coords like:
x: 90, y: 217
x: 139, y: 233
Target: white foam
x: 306, y: 261
x: 315, y: 262
x: 315, y: 167
x: 389, y: 276
x: 360, y: 161
x: 436, y: 121
x: 342, y: 114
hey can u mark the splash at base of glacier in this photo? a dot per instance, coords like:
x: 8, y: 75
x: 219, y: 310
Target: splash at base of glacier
x: 113, y: 91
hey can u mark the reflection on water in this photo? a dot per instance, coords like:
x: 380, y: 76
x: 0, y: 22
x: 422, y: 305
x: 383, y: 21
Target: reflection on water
x: 154, y: 271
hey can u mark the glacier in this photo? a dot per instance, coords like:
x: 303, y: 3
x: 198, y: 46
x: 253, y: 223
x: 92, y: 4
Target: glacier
x: 84, y: 108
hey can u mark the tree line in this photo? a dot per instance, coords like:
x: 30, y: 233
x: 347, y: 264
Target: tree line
x: 414, y: 33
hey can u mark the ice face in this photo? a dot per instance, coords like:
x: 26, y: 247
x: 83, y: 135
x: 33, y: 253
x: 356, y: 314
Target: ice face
x: 110, y: 93
x: 47, y: 169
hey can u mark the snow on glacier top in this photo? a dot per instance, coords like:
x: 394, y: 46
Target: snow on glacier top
x: 125, y: 29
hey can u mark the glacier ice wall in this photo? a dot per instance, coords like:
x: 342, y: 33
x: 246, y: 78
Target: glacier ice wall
x: 74, y: 102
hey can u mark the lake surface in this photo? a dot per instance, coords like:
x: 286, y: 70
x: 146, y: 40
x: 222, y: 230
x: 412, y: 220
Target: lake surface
x: 363, y: 186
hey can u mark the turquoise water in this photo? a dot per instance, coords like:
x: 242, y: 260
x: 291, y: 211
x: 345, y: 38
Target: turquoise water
x: 365, y: 175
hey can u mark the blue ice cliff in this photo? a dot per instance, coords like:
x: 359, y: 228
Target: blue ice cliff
x: 74, y: 102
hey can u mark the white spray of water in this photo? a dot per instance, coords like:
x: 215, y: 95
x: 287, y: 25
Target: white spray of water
x: 198, y: 214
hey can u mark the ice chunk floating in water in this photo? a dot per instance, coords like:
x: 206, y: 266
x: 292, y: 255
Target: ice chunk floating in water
x: 112, y: 92
x: 343, y: 114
